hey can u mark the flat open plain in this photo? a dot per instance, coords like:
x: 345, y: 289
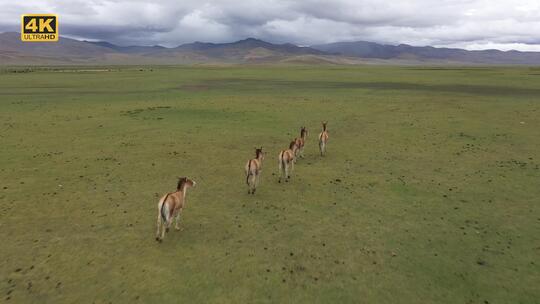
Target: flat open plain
x: 429, y: 193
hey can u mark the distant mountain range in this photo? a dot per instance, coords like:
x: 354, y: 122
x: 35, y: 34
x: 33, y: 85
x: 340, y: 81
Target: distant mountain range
x: 70, y: 51
x: 366, y: 49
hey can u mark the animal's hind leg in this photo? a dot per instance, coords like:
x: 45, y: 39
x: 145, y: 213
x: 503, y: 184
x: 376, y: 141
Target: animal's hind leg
x: 169, y: 224
x: 166, y: 226
x: 163, y: 229
x: 249, y: 181
x: 162, y: 233
x: 255, y: 182
x: 280, y: 167
x: 177, y: 224
x: 158, y: 226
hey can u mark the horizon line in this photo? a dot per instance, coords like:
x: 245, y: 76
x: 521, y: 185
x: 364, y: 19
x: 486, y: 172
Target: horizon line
x: 88, y: 40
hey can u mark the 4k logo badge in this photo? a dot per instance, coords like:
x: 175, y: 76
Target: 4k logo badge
x: 39, y: 27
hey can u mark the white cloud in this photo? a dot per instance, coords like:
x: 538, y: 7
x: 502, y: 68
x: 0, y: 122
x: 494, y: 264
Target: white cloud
x: 471, y: 24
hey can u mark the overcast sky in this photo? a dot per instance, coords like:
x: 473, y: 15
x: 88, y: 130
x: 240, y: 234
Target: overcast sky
x: 470, y: 24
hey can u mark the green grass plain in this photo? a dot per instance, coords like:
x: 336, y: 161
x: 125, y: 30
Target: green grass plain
x: 429, y: 192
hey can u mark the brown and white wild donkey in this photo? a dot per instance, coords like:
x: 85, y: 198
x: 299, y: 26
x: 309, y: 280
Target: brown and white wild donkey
x: 170, y: 206
x: 323, y: 138
x: 286, y: 159
x: 253, y: 170
x: 301, y: 142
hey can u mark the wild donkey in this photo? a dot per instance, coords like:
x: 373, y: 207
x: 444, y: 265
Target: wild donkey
x: 300, y: 142
x: 253, y: 170
x: 286, y: 158
x: 170, y: 206
x: 323, y: 138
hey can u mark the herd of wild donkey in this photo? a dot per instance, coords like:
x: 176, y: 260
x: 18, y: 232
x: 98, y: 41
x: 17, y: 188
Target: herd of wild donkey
x: 171, y: 204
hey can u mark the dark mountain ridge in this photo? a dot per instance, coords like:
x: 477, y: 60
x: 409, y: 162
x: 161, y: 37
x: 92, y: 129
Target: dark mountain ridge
x: 250, y: 50
x: 366, y: 49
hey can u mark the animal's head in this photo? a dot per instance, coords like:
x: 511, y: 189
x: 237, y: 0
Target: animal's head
x: 185, y: 182
x: 303, y: 132
x: 259, y: 153
x: 324, y: 125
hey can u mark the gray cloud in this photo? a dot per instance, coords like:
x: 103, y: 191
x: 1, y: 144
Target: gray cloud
x: 472, y: 24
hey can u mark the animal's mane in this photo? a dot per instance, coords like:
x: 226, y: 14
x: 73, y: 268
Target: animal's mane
x: 181, y: 183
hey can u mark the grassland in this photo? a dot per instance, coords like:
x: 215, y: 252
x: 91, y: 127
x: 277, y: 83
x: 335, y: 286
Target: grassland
x: 429, y: 192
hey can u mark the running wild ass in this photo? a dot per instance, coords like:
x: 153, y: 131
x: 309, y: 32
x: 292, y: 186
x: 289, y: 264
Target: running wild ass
x: 170, y: 206
x: 323, y: 138
x: 300, y: 142
x: 286, y: 159
x: 253, y: 170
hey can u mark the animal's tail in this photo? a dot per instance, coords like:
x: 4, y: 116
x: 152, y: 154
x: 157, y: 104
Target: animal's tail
x: 248, y: 173
x: 162, y: 211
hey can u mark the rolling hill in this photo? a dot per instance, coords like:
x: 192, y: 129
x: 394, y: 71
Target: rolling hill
x: 373, y: 50
x: 70, y: 51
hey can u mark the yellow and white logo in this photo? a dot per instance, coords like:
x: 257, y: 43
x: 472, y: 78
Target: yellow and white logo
x: 39, y: 27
